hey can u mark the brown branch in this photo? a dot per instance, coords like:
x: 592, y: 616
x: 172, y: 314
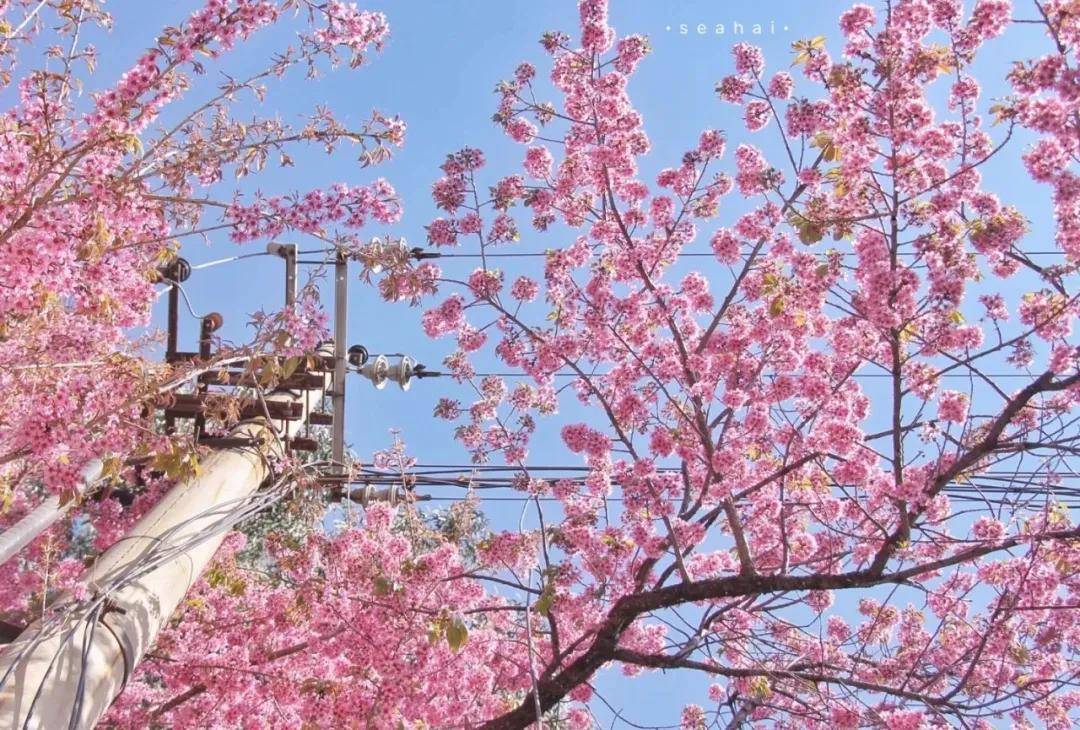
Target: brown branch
x: 553, y: 688
x: 655, y: 661
x: 989, y: 443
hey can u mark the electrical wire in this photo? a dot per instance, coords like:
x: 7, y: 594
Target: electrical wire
x: 184, y: 294
x: 989, y: 487
x: 682, y: 254
x: 228, y: 259
x: 619, y: 500
x: 436, y: 468
x: 686, y: 254
x: 565, y: 374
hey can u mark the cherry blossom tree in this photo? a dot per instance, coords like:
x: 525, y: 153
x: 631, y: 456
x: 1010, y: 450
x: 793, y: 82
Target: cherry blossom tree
x: 102, y: 180
x: 818, y: 568
x: 829, y: 550
x: 832, y: 552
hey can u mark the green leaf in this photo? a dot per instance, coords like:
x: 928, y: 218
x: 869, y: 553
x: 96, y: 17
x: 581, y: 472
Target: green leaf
x: 804, y: 49
x: 760, y: 688
x: 382, y: 586
x: 457, y: 633
x: 290, y: 366
x: 547, y: 597
x: 810, y: 233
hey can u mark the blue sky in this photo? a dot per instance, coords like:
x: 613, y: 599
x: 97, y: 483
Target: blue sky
x: 438, y: 72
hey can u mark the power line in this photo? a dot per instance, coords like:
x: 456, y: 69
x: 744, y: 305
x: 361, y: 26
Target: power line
x: 565, y: 374
x: 227, y: 260
x: 682, y: 254
x: 436, y: 468
x: 484, y: 478
x: 690, y: 254
x: 520, y: 500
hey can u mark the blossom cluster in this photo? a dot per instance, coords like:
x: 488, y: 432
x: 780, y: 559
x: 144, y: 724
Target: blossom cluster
x: 351, y: 207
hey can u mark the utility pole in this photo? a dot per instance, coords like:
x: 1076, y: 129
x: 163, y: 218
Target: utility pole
x: 341, y: 331
x: 66, y: 672
x: 42, y: 517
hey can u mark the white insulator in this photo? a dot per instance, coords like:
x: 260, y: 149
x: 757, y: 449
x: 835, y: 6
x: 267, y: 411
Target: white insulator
x: 377, y: 370
x: 368, y: 494
x: 402, y: 373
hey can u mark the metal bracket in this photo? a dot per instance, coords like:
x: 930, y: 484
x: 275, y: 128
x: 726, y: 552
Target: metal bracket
x: 286, y: 251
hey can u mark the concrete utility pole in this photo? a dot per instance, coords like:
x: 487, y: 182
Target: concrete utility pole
x: 42, y: 517
x: 66, y: 673
x: 341, y: 331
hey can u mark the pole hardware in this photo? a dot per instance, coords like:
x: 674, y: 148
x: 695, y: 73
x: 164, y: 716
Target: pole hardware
x: 380, y: 371
x: 420, y: 254
x: 368, y: 493
x: 177, y: 270
x: 210, y: 324
x: 420, y: 371
x: 286, y: 251
x: 357, y: 355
